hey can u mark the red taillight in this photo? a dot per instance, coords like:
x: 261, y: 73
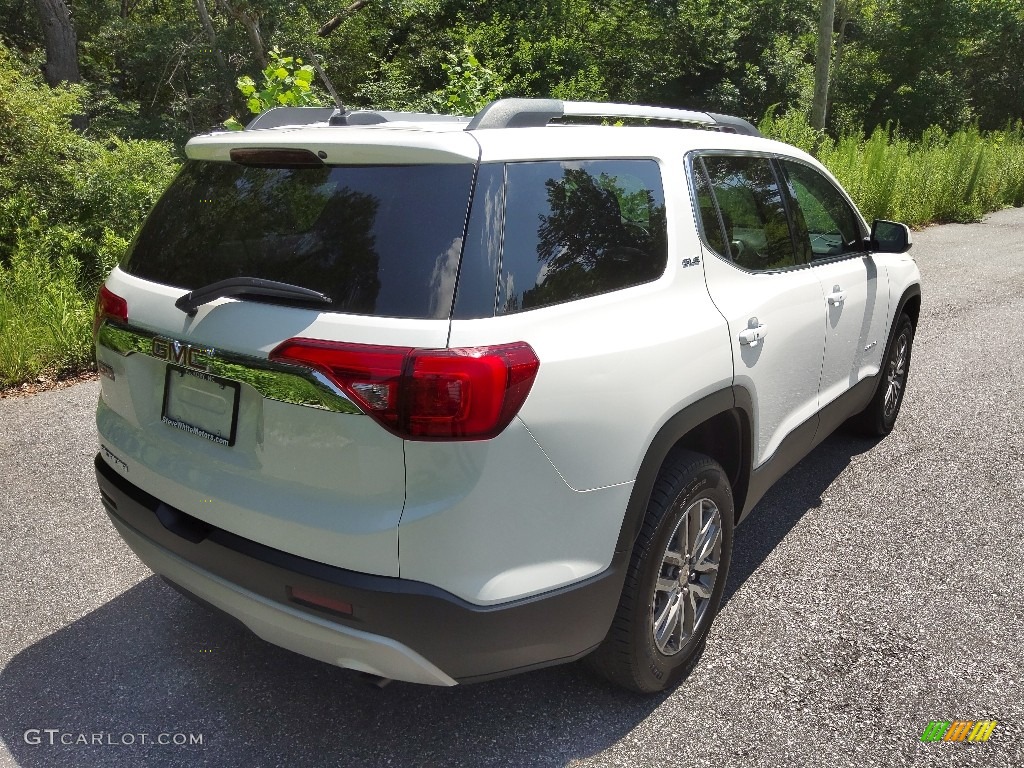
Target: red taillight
x: 469, y: 393
x: 108, y: 305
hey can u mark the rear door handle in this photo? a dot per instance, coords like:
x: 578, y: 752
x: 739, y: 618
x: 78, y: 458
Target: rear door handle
x: 751, y: 336
x: 837, y: 297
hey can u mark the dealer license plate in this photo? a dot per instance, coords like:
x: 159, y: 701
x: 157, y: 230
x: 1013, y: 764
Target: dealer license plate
x: 201, y: 404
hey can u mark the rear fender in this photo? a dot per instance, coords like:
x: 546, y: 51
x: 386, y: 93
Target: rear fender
x: 733, y: 401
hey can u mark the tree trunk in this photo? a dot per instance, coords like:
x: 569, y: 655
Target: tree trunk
x: 61, y: 42
x: 332, y: 25
x: 222, y: 67
x: 211, y: 34
x: 822, y: 62
x: 252, y: 29
x: 847, y: 11
x: 251, y: 25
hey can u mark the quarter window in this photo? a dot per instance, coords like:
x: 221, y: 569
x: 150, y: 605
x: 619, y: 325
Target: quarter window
x: 574, y: 229
x: 711, y: 223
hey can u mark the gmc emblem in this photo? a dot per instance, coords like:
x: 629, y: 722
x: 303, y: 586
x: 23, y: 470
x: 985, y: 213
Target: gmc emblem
x: 182, y: 354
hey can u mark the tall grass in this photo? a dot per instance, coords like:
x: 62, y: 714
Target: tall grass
x: 938, y: 178
x: 45, y: 319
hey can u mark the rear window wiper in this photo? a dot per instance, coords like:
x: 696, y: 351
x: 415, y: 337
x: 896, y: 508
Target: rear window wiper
x: 249, y: 286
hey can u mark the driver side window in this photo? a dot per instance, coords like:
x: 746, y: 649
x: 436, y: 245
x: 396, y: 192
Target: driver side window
x: 829, y: 223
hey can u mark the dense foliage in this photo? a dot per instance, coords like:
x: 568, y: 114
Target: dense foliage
x: 923, y: 121
x: 155, y: 72
x: 69, y: 205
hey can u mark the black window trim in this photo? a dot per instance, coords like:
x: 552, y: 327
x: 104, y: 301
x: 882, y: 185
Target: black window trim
x: 465, y: 231
x: 703, y: 172
x: 465, y: 234
x: 790, y: 205
x: 501, y: 236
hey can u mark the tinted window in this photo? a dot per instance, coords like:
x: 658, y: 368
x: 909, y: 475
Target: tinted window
x: 829, y: 223
x: 475, y: 295
x: 753, y: 213
x: 710, y: 222
x: 576, y: 229
x: 379, y: 240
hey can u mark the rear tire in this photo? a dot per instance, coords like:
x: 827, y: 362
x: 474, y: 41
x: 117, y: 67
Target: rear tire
x: 676, y: 577
x: 878, y: 419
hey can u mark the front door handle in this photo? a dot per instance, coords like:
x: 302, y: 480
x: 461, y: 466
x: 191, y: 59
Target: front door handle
x: 751, y: 336
x: 837, y: 297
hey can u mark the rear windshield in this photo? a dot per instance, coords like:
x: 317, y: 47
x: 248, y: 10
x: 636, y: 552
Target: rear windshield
x: 379, y: 240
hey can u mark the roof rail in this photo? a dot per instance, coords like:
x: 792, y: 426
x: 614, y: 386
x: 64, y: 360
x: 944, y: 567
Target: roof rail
x: 534, y: 113
x: 277, y: 117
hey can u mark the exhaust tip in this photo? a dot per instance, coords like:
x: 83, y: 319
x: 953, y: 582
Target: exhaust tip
x: 375, y: 681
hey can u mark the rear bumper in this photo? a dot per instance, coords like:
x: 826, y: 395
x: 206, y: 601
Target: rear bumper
x: 400, y: 629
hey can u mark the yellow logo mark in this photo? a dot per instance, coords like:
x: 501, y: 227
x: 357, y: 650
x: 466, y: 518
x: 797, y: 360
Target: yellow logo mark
x: 982, y: 730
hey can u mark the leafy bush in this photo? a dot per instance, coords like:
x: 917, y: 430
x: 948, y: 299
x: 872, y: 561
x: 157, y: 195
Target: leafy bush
x: 68, y: 207
x: 287, y: 82
x: 471, y: 85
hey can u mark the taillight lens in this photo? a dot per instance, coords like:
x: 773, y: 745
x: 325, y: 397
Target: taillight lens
x: 469, y: 393
x: 108, y: 305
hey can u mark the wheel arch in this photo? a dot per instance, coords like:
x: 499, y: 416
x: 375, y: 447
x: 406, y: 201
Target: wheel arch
x: 719, y: 425
x: 910, y: 302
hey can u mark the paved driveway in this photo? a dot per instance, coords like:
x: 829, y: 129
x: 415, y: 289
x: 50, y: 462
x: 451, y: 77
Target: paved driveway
x: 876, y: 588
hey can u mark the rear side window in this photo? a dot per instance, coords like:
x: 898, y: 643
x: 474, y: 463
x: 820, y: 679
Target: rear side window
x: 574, y: 229
x: 379, y: 240
x: 753, y: 214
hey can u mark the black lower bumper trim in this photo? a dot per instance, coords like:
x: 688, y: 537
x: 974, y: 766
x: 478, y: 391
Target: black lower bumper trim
x: 467, y: 641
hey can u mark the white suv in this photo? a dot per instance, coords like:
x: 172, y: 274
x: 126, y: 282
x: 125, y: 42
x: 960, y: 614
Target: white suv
x: 444, y: 399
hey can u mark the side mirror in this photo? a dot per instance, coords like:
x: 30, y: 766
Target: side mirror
x: 890, y: 237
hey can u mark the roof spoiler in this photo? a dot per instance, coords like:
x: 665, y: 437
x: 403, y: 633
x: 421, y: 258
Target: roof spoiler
x: 278, y: 117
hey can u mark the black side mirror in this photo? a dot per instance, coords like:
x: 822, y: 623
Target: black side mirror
x: 890, y: 237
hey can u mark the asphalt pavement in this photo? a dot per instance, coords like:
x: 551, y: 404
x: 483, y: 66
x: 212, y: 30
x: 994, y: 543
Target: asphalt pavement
x: 876, y: 588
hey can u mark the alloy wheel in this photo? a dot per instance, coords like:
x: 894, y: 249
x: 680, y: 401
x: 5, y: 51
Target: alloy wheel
x: 686, y: 581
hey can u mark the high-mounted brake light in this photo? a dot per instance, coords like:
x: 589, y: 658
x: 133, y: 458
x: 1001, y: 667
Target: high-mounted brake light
x: 108, y: 306
x: 273, y: 157
x: 469, y: 393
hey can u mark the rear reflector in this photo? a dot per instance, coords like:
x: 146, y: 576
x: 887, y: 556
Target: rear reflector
x: 109, y: 306
x: 313, y: 600
x: 469, y: 393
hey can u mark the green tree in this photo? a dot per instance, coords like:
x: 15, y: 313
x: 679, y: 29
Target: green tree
x: 287, y: 82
